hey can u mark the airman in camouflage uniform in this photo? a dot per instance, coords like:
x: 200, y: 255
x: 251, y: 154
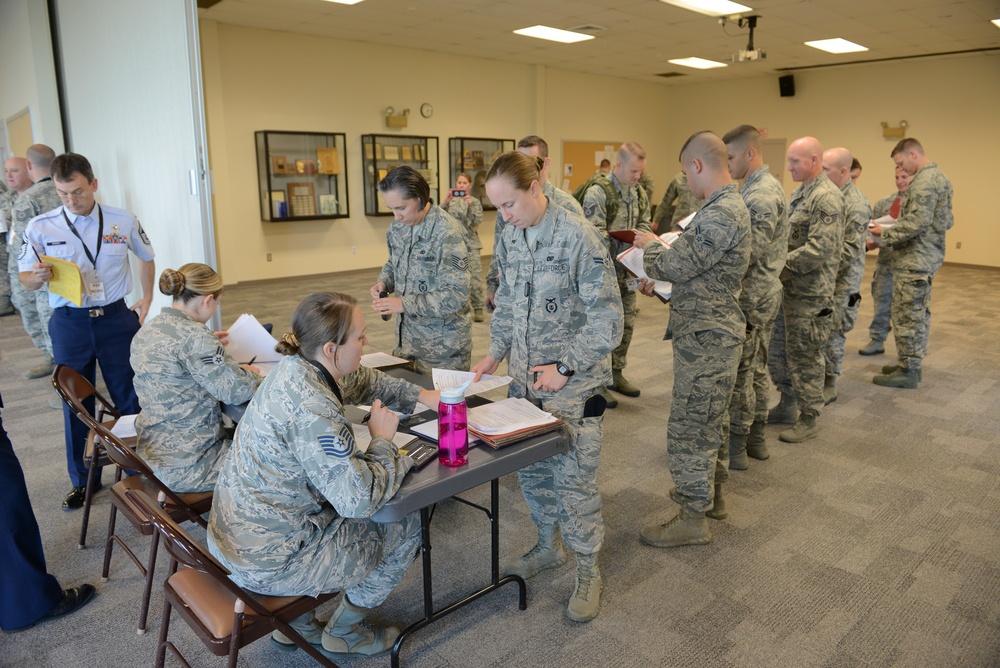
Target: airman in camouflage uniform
x: 6, y: 201
x: 182, y: 375
x: 632, y: 214
x: 918, y: 244
x: 677, y: 202
x: 815, y: 239
x: 706, y: 265
x: 428, y: 268
x: 847, y: 291
x: 760, y: 296
x: 469, y: 212
x: 558, y: 317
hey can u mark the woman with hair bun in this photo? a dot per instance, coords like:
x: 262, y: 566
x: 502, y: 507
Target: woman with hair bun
x: 290, y: 513
x: 182, y: 376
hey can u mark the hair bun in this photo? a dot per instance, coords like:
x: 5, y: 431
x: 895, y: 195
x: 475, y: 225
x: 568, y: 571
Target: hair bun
x: 172, y: 282
x: 288, y: 345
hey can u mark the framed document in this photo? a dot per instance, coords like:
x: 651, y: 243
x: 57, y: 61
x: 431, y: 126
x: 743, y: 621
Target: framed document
x: 391, y: 152
x: 406, y: 153
x: 369, y: 151
x: 378, y: 151
x: 279, y: 164
x: 327, y: 160
x: 328, y: 205
x: 301, y: 199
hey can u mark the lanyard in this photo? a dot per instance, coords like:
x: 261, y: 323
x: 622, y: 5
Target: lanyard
x: 327, y: 376
x: 100, y: 235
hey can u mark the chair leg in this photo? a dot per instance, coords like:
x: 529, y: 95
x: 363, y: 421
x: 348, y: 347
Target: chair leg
x: 234, y: 639
x: 148, y: 590
x: 91, y: 484
x: 110, y: 543
x: 161, y: 648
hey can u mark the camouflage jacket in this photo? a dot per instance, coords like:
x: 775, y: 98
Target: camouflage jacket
x: 706, y: 265
x: 182, y: 375
x: 630, y: 215
x: 880, y: 209
x: 765, y: 200
x: 470, y: 214
x: 678, y: 201
x: 556, y: 302
x: 294, y: 472
x: 7, y: 198
x: 918, y: 237
x: 815, y: 238
x: 857, y: 214
x: 40, y: 198
x: 429, y: 268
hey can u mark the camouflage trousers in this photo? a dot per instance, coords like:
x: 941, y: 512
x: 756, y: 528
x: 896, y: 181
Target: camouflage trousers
x: 5, y: 303
x: 705, y: 366
x: 750, y: 394
x: 562, y: 490
x: 619, y: 354
x: 882, y: 299
x: 476, y: 278
x: 796, y: 357
x: 911, y: 316
x: 844, y: 316
x: 33, y: 307
x: 365, y: 559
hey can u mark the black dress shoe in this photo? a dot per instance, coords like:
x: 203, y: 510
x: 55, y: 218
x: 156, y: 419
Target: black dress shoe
x: 76, y: 496
x: 72, y: 600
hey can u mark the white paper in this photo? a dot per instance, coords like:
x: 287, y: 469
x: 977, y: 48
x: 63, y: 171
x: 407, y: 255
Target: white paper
x: 417, y: 408
x: 125, y: 427
x: 633, y: 259
x: 511, y: 414
x: 429, y: 430
x: 885, y: 221
x: 686, y: 220
x: 446, y: 378
x: 363, y: 437
x: 264, y: 368
x: 249, y: 340
x: 380, y: 360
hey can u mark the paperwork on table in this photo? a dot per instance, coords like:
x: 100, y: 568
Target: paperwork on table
x: 446, y: 378
x: 250, y: 343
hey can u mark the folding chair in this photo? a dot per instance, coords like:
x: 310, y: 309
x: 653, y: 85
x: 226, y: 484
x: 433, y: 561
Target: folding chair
x: 225, y: 616
x: 76, y: 392
x: 180, y: 507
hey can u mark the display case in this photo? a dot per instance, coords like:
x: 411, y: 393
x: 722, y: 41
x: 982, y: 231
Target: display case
x: 301, y: 175
x: 381, y: 153
x: 474, y: 156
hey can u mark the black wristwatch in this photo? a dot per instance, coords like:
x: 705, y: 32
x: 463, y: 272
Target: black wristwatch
x: 564, y: 370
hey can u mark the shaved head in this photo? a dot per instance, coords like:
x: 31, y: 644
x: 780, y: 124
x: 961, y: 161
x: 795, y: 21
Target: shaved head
x: 704, y: 162
x: 805, y: 159
x: 837, y: 165
x: 16, y: 173
x: 40, y: 156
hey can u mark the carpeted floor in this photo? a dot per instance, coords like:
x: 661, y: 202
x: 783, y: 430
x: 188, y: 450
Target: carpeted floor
x: 876, y: 544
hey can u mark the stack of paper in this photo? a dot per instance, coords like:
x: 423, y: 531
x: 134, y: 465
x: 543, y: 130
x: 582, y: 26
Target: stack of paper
x: 124, y: 427
x: 383, y: 361
x: 446, y: 378
x: 429, y: 430
x: 885, y: 221
x: 633, y: 258
x: 248, y: 340
x: 513, y: 419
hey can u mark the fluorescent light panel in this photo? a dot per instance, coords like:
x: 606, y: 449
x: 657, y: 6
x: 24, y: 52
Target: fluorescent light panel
x: 996, y: 22
x: 345, y: 2
x: 553, y: 34
x: 697, y: 63
x: 710, y: 7
x: 836, y: 45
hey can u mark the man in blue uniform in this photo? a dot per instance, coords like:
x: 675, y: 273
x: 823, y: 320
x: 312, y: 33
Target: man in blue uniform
x: 96, y: 239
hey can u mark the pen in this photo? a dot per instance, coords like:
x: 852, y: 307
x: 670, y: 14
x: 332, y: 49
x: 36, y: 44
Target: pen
x: 252, y: 360
x: 366, y: 418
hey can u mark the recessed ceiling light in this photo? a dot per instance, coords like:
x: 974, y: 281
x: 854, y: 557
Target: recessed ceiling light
x: 996, y: 22
x: 345, y: 2
x: 837, y: 45
x: 697, y: 63
x: 710, y: 7
x: 553, y: 34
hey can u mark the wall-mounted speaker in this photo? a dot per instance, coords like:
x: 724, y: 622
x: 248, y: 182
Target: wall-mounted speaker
x: 786, y: 84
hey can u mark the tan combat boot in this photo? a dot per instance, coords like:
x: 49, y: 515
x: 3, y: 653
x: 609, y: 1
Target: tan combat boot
x: 718, y: 511
x: 689, y: 527
x: 738, y: 452
x: 829, y: 390
x: 348, y: 635
x: 585, y: 603
x: 621, y: 384
x: 803, y: 430
x: 786, y: 412
x: 757, y: 441
x: 547, y: 553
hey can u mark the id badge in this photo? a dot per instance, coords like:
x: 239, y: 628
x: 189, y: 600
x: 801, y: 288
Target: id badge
x: 96, y: 290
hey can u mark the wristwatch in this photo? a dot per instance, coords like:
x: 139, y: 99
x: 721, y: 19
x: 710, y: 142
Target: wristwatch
x: 564, y: 370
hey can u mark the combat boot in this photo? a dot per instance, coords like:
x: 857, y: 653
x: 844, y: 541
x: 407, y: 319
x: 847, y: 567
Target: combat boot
x: 689, y: 527
x: 803, y: 430
x: 786, y: 412
x: 718, y: 511
x: 43, y: 369
x: 874, y: 347
x: 890, y: 369
x: 348, y: 635
x: 585, y: 603
x: 621, y: 385
x: 477, y: 315
x: 306, y: 626
x: 829, y: 390
x: 738, y: 452
x: 547, y: 553
x: 757, y: 441
x: 612, y: 402
x: 904, y: 378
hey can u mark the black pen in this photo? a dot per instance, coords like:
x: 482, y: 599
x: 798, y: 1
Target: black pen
x: 252, y: 360
x: 366, y: 418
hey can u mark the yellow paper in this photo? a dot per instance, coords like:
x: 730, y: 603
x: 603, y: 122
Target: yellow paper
x: 66, y: 280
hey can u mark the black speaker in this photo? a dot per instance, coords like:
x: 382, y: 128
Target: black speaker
x: 786, y: 85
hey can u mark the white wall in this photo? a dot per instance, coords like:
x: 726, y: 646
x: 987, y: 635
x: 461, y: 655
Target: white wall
x: 268, y: 80
x: 950, y: 104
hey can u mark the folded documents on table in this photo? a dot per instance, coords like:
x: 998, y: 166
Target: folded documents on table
x: 633, y: 258
x: 124, y: 427
x: 509, y: 421
x: 447, y: 378
x: 384, y: 361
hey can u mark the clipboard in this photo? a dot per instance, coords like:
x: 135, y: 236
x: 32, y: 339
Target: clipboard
x: 66, y: 280
x: 628, y: 236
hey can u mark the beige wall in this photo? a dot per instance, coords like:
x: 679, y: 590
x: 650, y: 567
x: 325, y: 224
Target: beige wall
x: 267, y: 80
x: 950, y: 104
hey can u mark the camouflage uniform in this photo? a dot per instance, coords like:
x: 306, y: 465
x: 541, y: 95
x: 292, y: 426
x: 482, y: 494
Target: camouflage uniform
x: 760, y: 296
x: 6, y: 202
x: 559, y: 198
x: 815, y: 238
x: 470, y: 214
x: 33, y: 305
x: 291, y: 504
x: 558, y: 302
x: 882, y: 280
x: 630, y: 216
x: 706, y: 265
x: 677, y: 202
x: 847, y: 291
x: 182, y: 374
x: 918, y: 245
x: 428, y: 267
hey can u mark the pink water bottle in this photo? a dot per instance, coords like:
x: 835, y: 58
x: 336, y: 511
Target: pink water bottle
x: 453, y: 428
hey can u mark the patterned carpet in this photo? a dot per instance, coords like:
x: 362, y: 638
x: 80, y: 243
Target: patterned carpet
x: 876, y: 544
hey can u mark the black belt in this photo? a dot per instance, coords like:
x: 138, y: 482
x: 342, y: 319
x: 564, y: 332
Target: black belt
x: 97, y: 311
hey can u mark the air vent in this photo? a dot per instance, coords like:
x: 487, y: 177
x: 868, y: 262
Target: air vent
x: 588, y: 28
x: 668, y: 75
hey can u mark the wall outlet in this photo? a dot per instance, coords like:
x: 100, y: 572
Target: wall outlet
x: 268, y: 257
x: 354, y: 250
x: 958, y: 245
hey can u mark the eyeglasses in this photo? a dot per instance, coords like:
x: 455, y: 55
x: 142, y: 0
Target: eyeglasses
x: 77, y: 194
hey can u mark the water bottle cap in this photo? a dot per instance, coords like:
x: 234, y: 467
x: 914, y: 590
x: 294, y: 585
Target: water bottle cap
x: 454, y: 395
